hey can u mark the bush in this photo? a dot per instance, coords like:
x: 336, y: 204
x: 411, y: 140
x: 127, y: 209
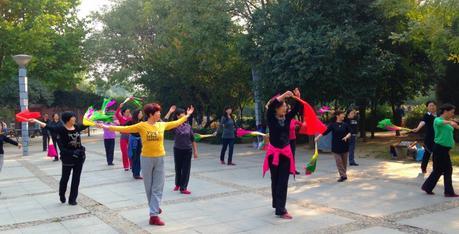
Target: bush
x: 414, y: 116
x: 382, y: 112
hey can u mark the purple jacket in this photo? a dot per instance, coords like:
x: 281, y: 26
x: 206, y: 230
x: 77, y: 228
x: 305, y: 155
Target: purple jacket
x: 109, y: 134
x: 184, y: 136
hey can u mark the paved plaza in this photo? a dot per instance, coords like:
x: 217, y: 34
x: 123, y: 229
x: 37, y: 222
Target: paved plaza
x: 379, y: 197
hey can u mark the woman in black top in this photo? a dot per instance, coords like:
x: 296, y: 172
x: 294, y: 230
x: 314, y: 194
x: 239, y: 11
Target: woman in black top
x: 55, y: 122
x: 228, y: 126
x: 279, y: 157
x: 427, y: 122
x: 341, y: 133
x: 72, y: 153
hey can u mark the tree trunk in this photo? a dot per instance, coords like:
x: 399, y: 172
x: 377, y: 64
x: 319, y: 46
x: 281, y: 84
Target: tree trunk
x: 373, y: 119
x: 396, y: 117
x: 363, y: 117
x: 207, y: 119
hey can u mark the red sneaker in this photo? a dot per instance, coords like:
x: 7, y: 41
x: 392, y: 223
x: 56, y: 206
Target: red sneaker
x: 222, y: 162
x: 185, y: 192
x: 176, y: 188
x: 231, y: 164
x: 154, y: 220
x: 286, y: 216
x: 138, y: 177
x: 452, y: 195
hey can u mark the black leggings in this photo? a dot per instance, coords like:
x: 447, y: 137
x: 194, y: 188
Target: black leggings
x: 225, y: 144
x: 293, y: 147
x: 182, y: 159
x: 66, y: 170
x: 441, y: 166
x: 109, y: 150
x: 279, y: 183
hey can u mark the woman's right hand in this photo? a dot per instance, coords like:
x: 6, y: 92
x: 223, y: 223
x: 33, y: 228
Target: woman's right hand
x: 316, y: 139
x: 100, y: 125
x: 288, y: 94
x: 172, y: 109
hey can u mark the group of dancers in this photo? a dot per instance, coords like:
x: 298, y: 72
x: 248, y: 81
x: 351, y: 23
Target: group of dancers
x: 142, y: 147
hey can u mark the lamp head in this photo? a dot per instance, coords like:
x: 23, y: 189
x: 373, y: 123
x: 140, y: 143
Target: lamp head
x: 22, y: 59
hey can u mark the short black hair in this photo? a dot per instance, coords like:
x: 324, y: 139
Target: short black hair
x: 446, y: 107
x: 124, y: 109
x: 67, y: 115
x: 178, y: 112
x: 430, y: 101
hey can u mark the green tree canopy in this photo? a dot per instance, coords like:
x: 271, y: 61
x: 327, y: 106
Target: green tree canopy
x: 50, y: 31
x: 178, y: 52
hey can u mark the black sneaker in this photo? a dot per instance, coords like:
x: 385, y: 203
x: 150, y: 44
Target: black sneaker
x: 354, y: 164
x: 62, y: 199
x: 342, y: 179
x: 73, y: 203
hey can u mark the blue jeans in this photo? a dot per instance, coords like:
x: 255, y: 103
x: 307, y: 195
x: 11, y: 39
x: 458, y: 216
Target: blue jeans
x: 136, y: 158
x: 226, y: 143
x: 352, y: 141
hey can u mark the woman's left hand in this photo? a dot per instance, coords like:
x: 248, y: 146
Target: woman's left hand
x: 296, y: 92
x: 190, y: 110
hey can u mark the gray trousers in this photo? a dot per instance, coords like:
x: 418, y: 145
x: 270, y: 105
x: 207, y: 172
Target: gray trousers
x: 341, y: 163
x: 153, y: 179
x: 1, y: 162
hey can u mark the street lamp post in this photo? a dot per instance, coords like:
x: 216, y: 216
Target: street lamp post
x: 22, y: 60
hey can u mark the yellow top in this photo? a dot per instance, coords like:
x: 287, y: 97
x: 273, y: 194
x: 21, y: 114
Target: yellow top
x: 152, y: 135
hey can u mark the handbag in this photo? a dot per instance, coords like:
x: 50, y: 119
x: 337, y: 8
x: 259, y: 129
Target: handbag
x: 51, y: 149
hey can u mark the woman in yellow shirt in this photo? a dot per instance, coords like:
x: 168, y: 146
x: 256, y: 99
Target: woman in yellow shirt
x: 152, y: 161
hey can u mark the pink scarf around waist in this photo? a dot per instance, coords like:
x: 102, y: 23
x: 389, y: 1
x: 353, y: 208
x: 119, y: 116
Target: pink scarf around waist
x: 276, y: 152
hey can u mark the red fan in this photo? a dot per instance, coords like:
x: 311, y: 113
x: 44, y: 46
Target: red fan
x: 311, y: 124
x: 25, y: 115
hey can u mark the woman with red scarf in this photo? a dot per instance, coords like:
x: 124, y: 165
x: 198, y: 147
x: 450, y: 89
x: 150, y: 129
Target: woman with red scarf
x: 279, y: 157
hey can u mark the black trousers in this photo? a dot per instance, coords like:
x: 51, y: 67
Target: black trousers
x: 45, y: 142
x: 279, y: 183
x: 441, y: 166
x: 225, y: 144
x: 182, y: 159
x: 66, y: 170
x: 428, y: 148
x: 293, y: 147
x: 109, y: 149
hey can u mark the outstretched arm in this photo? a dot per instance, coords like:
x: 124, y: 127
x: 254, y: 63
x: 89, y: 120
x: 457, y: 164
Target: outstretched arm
x: 174, y: 124
x: 125, y: 129
x: 419, y: 127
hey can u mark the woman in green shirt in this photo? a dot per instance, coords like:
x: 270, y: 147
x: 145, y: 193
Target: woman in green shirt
x: 444, y: 141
